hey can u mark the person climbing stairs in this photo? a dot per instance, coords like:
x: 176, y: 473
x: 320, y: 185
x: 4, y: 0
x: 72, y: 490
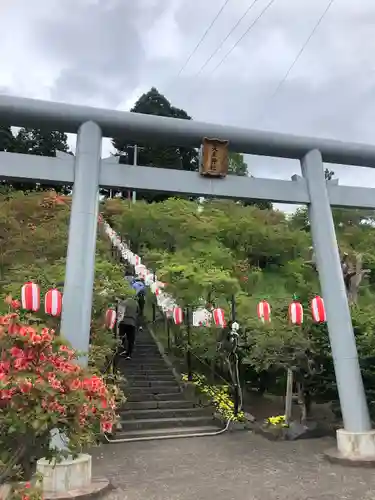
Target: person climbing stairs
x: 156, y: 405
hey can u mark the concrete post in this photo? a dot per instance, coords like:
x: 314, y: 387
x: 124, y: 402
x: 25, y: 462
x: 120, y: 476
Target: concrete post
x: 76, y: 314
x: 344, y: 352
x: 80, y: 262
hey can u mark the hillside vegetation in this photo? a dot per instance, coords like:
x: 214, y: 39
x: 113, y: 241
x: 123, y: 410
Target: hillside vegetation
x: 246, y: 249
x: 254, y: 254
x: 33, y: 244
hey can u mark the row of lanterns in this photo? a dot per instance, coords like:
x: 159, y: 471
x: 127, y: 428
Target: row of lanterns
x: 295, y: 311
x: 30, y: 299
x: 200, y: 317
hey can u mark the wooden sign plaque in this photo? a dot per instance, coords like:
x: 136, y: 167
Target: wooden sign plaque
x: 214, y: 158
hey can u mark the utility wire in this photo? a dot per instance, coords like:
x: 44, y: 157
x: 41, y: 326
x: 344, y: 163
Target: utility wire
x: 226, y: 38
x: 282, y: 81
x: 243, y: 36
x: 203, y: 37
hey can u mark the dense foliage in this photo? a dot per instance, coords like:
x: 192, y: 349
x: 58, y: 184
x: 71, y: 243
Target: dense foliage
x: 255, y: 254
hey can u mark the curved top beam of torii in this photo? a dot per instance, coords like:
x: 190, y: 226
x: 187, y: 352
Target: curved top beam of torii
x: 18, y: 111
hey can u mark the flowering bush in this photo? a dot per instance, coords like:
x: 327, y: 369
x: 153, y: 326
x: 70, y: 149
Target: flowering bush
x: 279, y: 421
x: 219, y: 396
x: 42, y: 387
x: 26, y: 492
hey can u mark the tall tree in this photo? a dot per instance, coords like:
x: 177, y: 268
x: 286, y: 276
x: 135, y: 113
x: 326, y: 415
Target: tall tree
x: 38, y: 142
x: 6, y: 139
x: 237, y: 164
x: 174, y: 157
x: 35, y: 142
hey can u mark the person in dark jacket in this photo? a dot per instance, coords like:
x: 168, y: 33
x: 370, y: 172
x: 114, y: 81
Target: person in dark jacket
x: 127, y: 319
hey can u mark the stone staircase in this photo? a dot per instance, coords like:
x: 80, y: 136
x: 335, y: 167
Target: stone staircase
x: 156, y: 405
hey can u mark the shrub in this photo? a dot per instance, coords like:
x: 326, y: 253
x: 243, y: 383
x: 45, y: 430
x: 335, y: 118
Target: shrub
x: 42, y: 387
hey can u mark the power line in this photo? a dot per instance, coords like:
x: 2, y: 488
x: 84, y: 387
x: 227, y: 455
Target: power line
x: 243, y: 36
x: 282, y: 81
x: 203, y: 37
x: 226, y: 38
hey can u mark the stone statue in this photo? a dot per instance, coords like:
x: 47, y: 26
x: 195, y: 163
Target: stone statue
x: 352, y: 274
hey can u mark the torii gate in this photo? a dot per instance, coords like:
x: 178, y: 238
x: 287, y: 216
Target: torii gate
x: 87, y: 171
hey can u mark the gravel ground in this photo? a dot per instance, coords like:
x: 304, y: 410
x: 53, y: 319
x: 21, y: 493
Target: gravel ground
x: 233, y: 466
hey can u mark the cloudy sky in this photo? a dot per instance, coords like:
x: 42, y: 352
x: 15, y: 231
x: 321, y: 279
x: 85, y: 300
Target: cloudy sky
x: 107, y: 52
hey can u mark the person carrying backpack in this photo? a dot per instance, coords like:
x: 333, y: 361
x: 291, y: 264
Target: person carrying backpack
x: 140, y: 288
x: 127, y: 320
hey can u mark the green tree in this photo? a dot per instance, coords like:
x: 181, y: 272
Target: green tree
x: 35, y: 142
x: 237, y: 164
x: 40, y: 142
x: 6, y: 139
x: 174, y: 157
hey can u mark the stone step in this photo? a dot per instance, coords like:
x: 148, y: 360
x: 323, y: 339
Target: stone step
x: 162, y: 373
x: 134, y: 379
x: 145, y: 344
x: 169, y: 431
x: 149, y: 383
x: 160, y: 389
x: 141, y: 360
x: 165, y: 413
x: 146, y: 359
x: 146, y: 354
x: 131, y: 366
x: 155, y: 404
x: 162, y: 423
x: 161, y: 396
x: 140, y: 353
x: 146, y: 350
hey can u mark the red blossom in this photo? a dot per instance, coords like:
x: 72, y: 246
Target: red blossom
x: 15, y: 304
x: 106, y: 426
x: 16, y: 352
x: 37, y: 372
x: 75, y: 384
x: 25, y: 386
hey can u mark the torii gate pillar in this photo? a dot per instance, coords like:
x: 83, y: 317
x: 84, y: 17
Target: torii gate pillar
x: 80, y: 261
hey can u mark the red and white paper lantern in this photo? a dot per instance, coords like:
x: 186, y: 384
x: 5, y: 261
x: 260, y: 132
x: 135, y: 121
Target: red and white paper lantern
x: 110, y: 318
x: 296, y: 313
x: 30, y: 297
x: 154, y: 287
x: 318, y: 310
x: 177, y: 315
x: 264, y: 311
x: 218, y: 315
x: 137, y: 260
x: 53, y: 302
x: 141, y: 270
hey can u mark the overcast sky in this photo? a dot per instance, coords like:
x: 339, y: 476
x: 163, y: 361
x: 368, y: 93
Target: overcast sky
x: 106, y: 53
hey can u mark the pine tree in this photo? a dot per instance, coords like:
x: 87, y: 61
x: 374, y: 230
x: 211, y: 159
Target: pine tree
x: 174, y: 157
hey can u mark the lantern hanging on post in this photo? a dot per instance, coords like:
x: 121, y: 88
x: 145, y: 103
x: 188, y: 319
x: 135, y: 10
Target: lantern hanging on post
x: 318, y: 310
x: 218, y: 315
x: 53, y: 302
x: 30, y: 297
x: 177, y: 315
x: 264, y: 311
x: 110, y: 319
x: 296, y: 313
